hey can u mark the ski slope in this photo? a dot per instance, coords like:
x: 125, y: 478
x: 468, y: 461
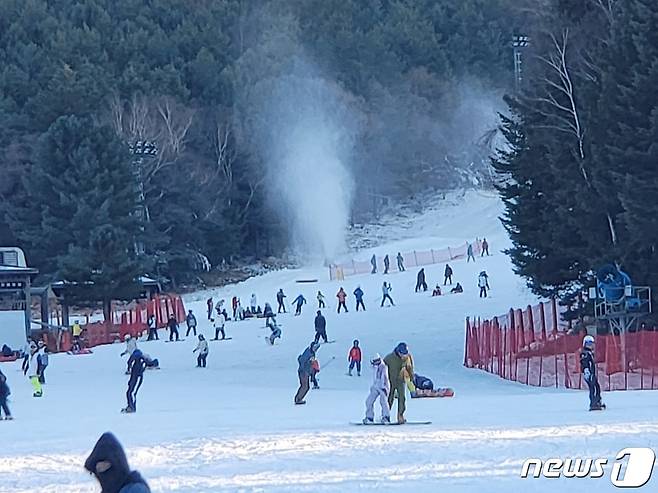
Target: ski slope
x: 232, y: 427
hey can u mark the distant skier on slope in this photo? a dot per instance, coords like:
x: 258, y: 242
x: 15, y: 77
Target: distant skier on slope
x: 304, y: 361
x: 253, y: 303
x: 447, y: 275
x: 321, y: 303
x: 219, y: 323
x: 320, y: 327
x: 469, y: 253
x: 190, y: 320
x: 202, y: 348
x: 396, y: 362
x: 485, y: 248
x: 373, y: 263
x: 298, y: 302
x: 483, y: 284
x: 588, y: 367
x: 400, y: 260
x: 387, y: 264
x: 279, y: 298
x: 354, y: 358
x: 209, y: 302
x: 153, y: 329
x: 342, y: 296
x: 137, y: 365
x: 420, y: 281
x: 386, y: 293
x: 173, y: 327
x: 358, y: 294
x: 380, y: 389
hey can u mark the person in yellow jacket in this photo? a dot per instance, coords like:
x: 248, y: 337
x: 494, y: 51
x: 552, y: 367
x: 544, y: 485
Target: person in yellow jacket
x: 407, y: 372
x: 32, y: 370
x: 76, y: 330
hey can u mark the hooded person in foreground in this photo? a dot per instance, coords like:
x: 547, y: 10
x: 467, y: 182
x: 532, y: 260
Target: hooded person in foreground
x: 109, y: 464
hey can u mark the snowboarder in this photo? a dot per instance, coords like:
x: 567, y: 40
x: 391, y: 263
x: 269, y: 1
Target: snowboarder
x: 76, y: 331
x: 218, y: 323
x: 4, y: 393
x: 342, y: 296
x: 588, y: 367
x: 386, y: 293
x: 354, y: 358
x: 268, y: 313
x: 457, y: 289
x: 380, y: 389
x: 485, y: 247
x: 131, y: 345
x: 304, y: 372
x: 447, y: 274
x: 202, y: 347
x: 136, y: 367
x: 396, y: 362
x: 274, y: 328
x: 153, y: 329
x: 373, y: 262
x: 321, y: 303
x: 109, y: 464
x: 437, y: 291
x: 483, y: 284
x: 279, y: 298
x: 469, y: 253
x: 298, y: 302
x: 42, y: 362
x: 320, y: 327
x: 209, y: 302
x: 190, y: 320
x: 420, y: 280
x: 253, y: 303
x: 315, y: 369
x: 358, y: 294
x: 173, y: 327
x: 219, y: 307
x: 32, y: 370
x: 400, y: 260
x: 387, y: 264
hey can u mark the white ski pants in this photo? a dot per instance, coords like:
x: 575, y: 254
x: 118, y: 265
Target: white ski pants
x: 383, y: 402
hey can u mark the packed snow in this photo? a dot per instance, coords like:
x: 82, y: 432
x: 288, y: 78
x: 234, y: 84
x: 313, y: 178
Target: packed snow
x: 233, y: 426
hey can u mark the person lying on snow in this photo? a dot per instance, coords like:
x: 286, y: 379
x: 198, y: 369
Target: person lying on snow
x: 109, y: 464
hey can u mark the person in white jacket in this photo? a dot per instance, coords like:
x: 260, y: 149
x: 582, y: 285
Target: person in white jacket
x: 219, y: 322
x: 202, y: 348
x: 131, y: 345
x: 32, y: 370
x: 378, y: 390
x: 254, y: 303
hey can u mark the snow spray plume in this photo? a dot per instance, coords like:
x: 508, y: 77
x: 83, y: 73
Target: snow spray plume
x: 306, y: 141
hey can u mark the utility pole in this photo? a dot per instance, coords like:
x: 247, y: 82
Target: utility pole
x: 140, y: 150
x: 519, y: 41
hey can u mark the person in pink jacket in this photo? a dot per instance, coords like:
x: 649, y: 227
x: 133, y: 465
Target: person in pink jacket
x: 379, y: 389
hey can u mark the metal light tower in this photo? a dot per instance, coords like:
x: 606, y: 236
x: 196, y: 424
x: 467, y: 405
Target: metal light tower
x: 140, y: 150
x: 519, y: 41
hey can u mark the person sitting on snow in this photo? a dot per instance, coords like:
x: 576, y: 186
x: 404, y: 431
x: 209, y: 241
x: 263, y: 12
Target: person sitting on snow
x: 457, y: 289
x: 437, y: 291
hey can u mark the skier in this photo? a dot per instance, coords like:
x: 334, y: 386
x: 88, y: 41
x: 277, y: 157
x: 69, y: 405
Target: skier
x: 42, y: 362
x: 253, y: 303
x: 447, y: 274
x: 321, y: 300
x: 202, y: 347
x: 373, y: 262
x: 469, y: 253
x: 131, y: 345
x: 457, y: 289
x: 320, y: 327
x: 304, y: 372
x: 387, y: 264
x: 173, y: 327
x: 420, y: 281
x: 279, y: 298
x: 342, y: 296
x: 483, y: 284
x: 190, y: 320
x: 298, y: 302
x: 485, y: 247
x: 209, y: 302
x: 153, y: 330
x: 395, y: 363
x: 358, y: 294
x: 354, y: 358
x: 109, y: 464
x: 276, y: 330
x: 400, y: 260
x: 588, y: 367
x: 4, y: 393
x: 218, y: 323
x: 136, y: 367
x: 315, y: 369
x: 380, y: 389
x: 386, y: 293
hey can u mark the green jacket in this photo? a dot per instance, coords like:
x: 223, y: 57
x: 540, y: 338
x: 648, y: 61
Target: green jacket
x: 395, y: 365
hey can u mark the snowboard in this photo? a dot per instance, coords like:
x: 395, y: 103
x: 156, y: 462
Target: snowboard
x: 125, y: 410
x: 219, y: 340
x: 329, y: 342
x: 428, y: 394
x: 392, y: 423
x: 179, y: 340
x: 602, y: 408
x: 82, y: 351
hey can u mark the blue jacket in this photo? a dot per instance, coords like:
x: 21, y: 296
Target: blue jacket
x: 304, y: 361
x: 358, y: 294
x: 299, y: 300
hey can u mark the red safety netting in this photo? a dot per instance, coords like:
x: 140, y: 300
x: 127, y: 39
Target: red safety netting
x: 411, y: 259
x: 534, y: 347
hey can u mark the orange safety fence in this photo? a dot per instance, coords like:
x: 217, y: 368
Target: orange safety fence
x: 411, y: 259
x: 534, y: 347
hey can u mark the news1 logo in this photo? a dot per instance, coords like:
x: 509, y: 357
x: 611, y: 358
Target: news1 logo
x: 639, y: 467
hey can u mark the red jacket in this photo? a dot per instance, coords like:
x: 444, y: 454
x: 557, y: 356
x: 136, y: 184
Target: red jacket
x: 355, y: 354
x: 341, y: 295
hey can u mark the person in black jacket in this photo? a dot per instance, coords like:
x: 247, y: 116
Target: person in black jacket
x: 420, y: 281
x: 305, y: 362
x: 387, y: 264
x: 320, y: 327
x: 4, y: 393
x: 588, y: 367
x: 173, y: 327
x: 136, y: 365
x: 279, y: 298
x: 190, y: 320
x: 447, y: 275
x: 109, y: 464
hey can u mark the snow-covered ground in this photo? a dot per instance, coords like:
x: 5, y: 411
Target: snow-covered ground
x: 233, y: 426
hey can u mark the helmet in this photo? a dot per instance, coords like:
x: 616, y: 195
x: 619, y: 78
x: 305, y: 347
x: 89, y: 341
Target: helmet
x: 137, y: 353
x: 588, y: 340
x: 402, y: 349
x: 356, y: 342
x: 376, y: 359
x: 127, y: 337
